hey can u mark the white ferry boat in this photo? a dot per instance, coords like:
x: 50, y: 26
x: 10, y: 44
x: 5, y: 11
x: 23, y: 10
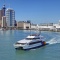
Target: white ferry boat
x: 30, y: 42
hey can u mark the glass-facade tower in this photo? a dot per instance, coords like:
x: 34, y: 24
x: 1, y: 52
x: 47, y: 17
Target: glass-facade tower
x: 10, y: 17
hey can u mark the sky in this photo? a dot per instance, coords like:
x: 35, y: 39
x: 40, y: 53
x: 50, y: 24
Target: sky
x: 37, y: 11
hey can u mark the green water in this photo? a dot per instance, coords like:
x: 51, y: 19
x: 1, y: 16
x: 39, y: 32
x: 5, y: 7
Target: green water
x: 8, y: 52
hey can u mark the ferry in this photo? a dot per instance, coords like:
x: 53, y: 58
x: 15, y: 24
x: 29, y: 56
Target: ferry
x: 30, y: 42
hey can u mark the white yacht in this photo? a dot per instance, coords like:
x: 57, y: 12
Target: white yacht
x: 30, y: 42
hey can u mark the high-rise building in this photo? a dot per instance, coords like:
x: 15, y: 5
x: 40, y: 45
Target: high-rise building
x: 10, y: 17
x: 3, y: 10
x: 2, y: 13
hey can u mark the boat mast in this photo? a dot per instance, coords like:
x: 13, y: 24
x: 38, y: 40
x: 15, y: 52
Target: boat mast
x: 30, y: 28
x: 38, y: 30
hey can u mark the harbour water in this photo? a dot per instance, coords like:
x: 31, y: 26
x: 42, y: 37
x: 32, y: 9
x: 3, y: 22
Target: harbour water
x: 48, y: 52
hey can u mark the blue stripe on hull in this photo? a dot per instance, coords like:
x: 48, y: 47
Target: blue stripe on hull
x: 21, y: 48
x: 34, y: 47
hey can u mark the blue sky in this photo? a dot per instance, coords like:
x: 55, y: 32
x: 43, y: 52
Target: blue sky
x: 38, y: 11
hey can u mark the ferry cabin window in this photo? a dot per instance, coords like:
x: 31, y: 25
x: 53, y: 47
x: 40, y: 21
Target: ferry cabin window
x: 21, y: 43
x: 35, y: 42
x: 32, y: 38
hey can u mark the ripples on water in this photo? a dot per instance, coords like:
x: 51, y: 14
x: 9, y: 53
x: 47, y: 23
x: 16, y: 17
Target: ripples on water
x: 49, y: 52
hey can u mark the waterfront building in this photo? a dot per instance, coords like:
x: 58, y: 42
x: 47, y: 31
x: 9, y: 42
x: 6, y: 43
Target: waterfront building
x: 2, y: 13
x: 0, y: 23
x: 23, y: 25
x: 3, y: 10
x: 10, y: 17
x: 15, y: 23
x: 33, y: 26
x: 4, y: 22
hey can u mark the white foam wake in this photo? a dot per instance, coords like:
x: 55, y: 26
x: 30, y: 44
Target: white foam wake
x: 53, y: 41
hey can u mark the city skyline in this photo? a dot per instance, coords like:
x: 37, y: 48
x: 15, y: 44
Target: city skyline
x: 38, y: 11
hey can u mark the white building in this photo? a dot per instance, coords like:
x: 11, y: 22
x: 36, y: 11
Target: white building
x: 42, y: 26
x: 33, y: 26
x: 4, y: 21
x: 10, y: 17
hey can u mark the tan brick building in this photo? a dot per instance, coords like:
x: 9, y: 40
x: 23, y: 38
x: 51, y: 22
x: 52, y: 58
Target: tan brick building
x: 4, y: 24
x: 23, y: 25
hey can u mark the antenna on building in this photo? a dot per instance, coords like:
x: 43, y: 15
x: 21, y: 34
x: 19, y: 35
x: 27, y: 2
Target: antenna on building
x: 4, y: 2
x: 4, y: 5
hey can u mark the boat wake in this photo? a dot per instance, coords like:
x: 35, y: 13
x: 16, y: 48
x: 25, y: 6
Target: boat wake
x: 53, y: 41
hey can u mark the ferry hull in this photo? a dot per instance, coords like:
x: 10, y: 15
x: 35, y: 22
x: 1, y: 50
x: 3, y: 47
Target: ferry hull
x: 21, y: 48
x: 34, y: 47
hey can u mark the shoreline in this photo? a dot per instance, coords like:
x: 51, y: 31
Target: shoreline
x: 51, y: 30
